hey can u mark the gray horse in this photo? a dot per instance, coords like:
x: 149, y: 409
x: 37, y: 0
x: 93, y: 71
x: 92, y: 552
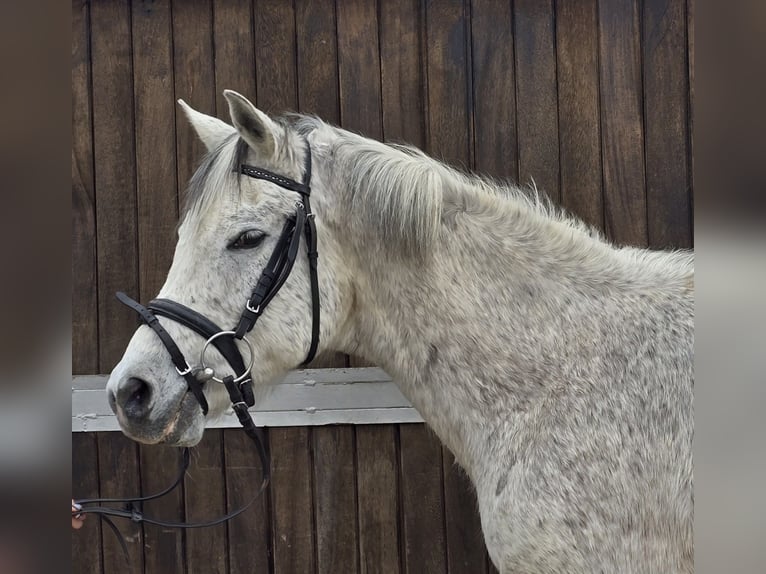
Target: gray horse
x: 556, y: 367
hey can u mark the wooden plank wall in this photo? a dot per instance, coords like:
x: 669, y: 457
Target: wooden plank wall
x: 588, y: 98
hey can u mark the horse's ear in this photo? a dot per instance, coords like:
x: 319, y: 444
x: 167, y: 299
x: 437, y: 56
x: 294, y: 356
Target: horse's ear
x: 211, y: 131
x: 255, y: 127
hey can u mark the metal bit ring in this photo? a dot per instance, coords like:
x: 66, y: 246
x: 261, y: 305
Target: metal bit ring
x: 244, y: 375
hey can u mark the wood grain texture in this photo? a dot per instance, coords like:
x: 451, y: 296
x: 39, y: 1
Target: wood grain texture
x: 378, y: 496
x: 666, y: 95
x: 115, y: 175
x: 249, y: 533
x: 86, y: 542
x: 205, y: 499
x: 359, y: 68
x: 293, y: 520
x: 275, y: 56
x: 449, y: 123
x: 422, y: 501
x: 335, y: 496
x: 163, y: 547
x: 155, y: 142
x: 119, y: 476
x: 402, y: 72
x: 465, y: 542
x: 536, y: 96
x: 494, y: 89
x: 579, y: 118
x: 84, y: 264
x: 194, y: 80
x: 234, y: 52
x: 317, y: 46
x: 622, y: 122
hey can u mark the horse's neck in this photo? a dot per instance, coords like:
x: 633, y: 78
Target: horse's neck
x: 479, y: 329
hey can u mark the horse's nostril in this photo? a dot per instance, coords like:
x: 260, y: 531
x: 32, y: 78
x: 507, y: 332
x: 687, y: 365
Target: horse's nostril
x: 133, y: 396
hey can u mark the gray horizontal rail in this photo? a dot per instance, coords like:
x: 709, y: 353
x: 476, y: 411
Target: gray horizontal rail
x: 310, y: 397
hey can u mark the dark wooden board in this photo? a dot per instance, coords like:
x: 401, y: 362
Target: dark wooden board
x: 536, y: 96
x: 666, y: 94
x: 115, y: 175
x: 359, y: 68
x: 317, y: 46
x: 494, y: 89
x: 402, y: 69
x: 194, y: 77
x: 449, y: 123
x: 205, y: 494
x: 291, y: 501
x: 579, y: 119
x: 84, y: 266
x: 234, y: 52
x: 378, y: 499
x: 163, y: 547
x: 249, y: 533
x: 155, y: 142
x: 424, y: 547
x: 86, y: 542
x: 622, y: 130
x: 275, y: 56
x: 119, y: 474
x: 465, y: 542
x: 335, y: 496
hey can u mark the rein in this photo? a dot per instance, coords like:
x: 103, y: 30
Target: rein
x: 239, y: 383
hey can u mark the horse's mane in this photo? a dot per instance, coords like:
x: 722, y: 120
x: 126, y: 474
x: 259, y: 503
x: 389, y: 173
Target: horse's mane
x: 406, y: 194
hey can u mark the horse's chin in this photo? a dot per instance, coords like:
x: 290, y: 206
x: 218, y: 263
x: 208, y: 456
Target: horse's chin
x: 183, y: 428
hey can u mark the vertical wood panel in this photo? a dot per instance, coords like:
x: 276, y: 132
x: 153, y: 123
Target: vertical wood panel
x: 84, y: 283
x: 622, y: 122
x: 120, y: 477
x: 275, y: 55
x: 359, y: 68
x: 465, y: 541
x: 579, y: 119
x: 494, y: 88
x: 205, y: 493
x: 317, y: 59
x: 536, y: 96
x: 155, y: 142
x: 249, y: 545
x: 115, y: 176
x: 291, y: 501
x: 194, y: 77
x: 163, y: 551
x: 422, y: 506
x: 86, y: 542
x: 234, y: 52
x: 690, y: 22
x: 665, y: 97
x: 377, y: 480
x: 402, y: 72
x: 449, y: 124
x: 335, y: 499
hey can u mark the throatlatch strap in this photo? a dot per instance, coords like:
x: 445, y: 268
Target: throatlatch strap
x: 313, y: 255
x: 182, y: 366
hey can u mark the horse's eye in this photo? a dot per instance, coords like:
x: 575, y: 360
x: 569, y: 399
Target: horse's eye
x: 248, y: 240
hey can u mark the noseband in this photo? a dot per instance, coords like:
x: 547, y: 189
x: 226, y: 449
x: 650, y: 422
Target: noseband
x: 239, y: 383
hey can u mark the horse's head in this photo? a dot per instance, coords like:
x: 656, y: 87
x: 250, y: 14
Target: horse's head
x: 231, y: 227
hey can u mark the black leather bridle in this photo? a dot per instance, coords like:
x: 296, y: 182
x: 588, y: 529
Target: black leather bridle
x: 239, y: 384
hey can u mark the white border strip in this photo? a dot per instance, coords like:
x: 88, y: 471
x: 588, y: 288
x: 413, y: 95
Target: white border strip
x: 310, y: 397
